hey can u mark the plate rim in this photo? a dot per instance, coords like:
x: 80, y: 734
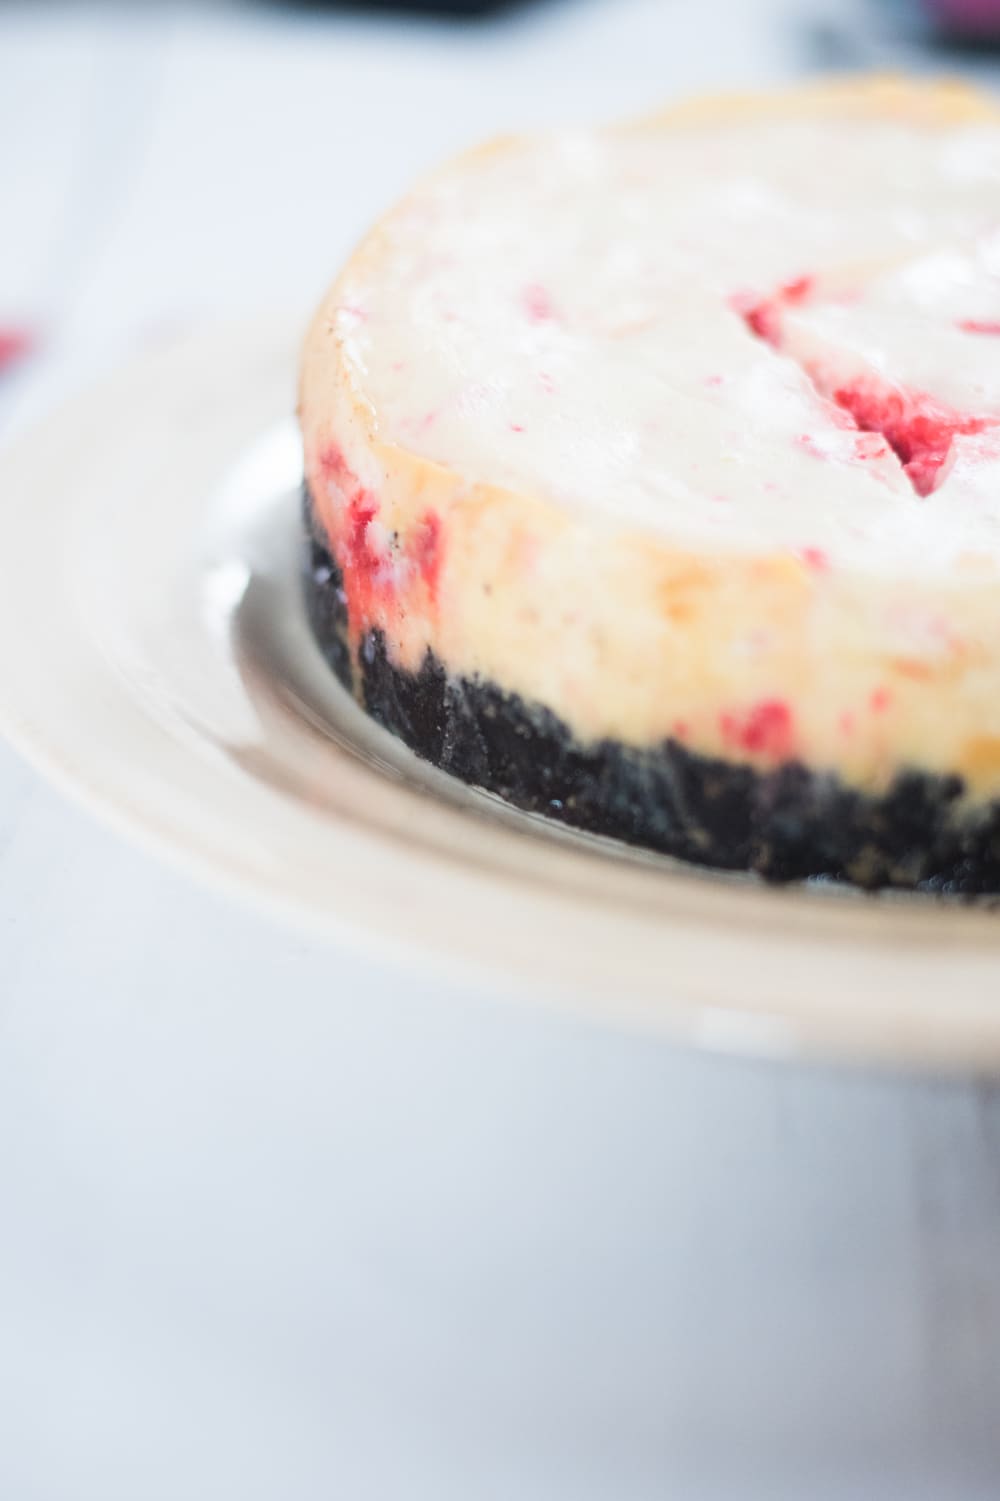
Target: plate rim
x: 254, y: 360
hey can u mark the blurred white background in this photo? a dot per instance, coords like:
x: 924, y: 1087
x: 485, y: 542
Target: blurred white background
x: 279, y: 1222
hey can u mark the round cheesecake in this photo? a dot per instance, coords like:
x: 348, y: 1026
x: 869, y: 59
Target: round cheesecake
x: 653, y: 480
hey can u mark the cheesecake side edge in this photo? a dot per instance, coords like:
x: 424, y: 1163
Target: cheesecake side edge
x: 791, y: 823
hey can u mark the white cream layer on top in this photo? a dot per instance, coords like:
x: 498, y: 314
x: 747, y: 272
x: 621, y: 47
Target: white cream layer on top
x: 567, y: 318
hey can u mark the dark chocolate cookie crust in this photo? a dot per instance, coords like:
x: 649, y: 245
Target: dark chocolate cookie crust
x: 787, y: 825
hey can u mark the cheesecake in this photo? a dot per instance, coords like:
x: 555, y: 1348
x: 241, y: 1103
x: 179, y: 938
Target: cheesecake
x: 652, y: 480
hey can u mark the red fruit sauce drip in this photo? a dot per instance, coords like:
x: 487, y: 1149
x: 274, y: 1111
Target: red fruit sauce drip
x: 766, y: 729
x: 538, y: 303
x: 363, y: 565
x: 15, y: 344
x: 762, y: 315
x: 980, y: 326
x: 426, y: 551
x: 333, y: 465
x: 815, y: 558
x: 376, y: 574
x: 918, y: 429
x: 797, y: 291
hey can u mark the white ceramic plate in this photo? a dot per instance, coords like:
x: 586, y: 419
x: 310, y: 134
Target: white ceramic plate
x: 155, y: 661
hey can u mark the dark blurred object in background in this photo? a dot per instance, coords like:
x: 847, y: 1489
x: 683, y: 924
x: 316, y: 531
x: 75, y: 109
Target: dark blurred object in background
x: 967, y: 20
x: 917, y: 35
x: 446, y: 8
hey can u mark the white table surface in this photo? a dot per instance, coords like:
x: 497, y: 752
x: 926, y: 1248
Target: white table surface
x: 279, y: 1222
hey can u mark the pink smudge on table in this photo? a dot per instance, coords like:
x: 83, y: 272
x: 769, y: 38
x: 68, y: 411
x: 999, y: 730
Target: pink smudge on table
x: 15, y: 344
x: 815, y: 558
x: 880, y: 700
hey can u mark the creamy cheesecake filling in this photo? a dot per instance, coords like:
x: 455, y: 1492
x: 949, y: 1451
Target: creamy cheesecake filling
x: 598, y: 359
x: 697, y: 456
